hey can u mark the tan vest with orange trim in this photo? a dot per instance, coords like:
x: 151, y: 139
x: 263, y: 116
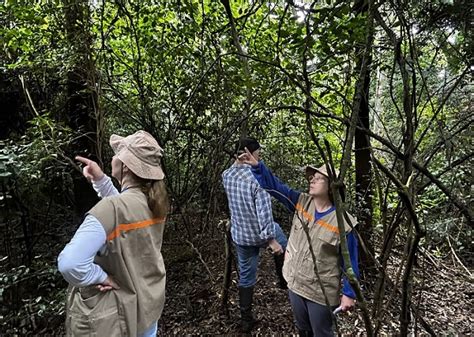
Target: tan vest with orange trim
x: 133, y: 258
x: 298, y: 268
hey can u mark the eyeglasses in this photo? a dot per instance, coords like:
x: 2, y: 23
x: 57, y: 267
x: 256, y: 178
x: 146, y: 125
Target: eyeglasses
x: 316, y: 178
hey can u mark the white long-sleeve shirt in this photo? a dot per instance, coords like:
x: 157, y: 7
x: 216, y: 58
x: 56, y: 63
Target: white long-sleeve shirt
x: 76, y: 261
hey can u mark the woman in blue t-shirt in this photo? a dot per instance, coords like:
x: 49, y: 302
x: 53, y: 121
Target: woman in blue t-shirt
x: 314, y: 292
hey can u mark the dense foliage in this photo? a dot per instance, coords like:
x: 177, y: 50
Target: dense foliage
x: 197, y: 75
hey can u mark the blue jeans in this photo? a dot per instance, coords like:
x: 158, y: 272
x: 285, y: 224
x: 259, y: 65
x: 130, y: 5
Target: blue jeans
x: 249, y: 256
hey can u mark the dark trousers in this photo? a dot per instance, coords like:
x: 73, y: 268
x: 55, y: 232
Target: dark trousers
x: 311, y: 316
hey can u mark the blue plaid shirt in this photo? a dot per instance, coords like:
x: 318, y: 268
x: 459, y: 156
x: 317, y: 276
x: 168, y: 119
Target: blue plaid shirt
x: 250, y: 207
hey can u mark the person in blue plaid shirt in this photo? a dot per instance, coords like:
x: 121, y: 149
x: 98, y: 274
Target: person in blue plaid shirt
x: 252, y: 227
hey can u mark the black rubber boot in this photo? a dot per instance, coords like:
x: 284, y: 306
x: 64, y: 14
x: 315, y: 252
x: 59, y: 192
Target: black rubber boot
x: 305, y: 333
x: 246, y: 298
x: 278, y: 268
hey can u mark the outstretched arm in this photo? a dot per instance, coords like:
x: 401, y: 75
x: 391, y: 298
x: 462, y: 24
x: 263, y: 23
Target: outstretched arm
x: 271, y: 183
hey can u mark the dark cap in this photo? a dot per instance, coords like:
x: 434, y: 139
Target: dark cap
x: 250, y: 143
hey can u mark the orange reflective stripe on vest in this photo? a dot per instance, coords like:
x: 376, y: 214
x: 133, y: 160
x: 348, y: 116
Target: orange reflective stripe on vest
x: 328, y: 226
x: 136, y: 225
x: 305, y: 214
x: 320, y: 222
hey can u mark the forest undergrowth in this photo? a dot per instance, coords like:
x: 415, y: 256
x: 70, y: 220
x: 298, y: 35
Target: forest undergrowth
x: 195, y: 268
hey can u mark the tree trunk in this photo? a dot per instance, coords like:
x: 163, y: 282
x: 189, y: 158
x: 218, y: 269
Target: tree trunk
x: 363, y: 165
x: 245, y: 63
x: 81, y: 96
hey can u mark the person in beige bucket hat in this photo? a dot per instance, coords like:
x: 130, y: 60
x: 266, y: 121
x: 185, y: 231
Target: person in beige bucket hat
x: 141, y: 153
x: 113, y: 263
x: 310, y: 170
x: 314, y: 210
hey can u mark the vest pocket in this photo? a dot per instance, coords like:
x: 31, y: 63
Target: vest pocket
x: 328, y: 237
x: 326, y: 244
x: 325, y: 248
x: 97, y: 316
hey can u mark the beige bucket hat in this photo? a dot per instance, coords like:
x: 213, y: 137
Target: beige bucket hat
x: 311, y: 170
x: 141, y: 153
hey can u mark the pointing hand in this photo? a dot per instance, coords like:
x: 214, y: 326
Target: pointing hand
x: 91, y: 170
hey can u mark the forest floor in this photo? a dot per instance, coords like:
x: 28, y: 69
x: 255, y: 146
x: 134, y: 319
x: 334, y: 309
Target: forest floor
x: 443, y: 293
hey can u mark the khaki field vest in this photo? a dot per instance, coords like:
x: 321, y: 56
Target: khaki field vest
x: 133, y: 258
x: 298, y: 268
